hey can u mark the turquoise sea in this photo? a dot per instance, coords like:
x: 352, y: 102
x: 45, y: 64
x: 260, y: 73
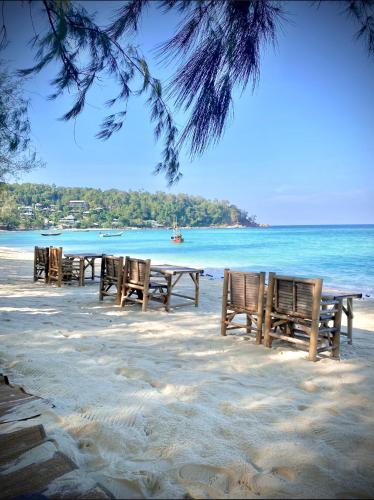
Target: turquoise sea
x: 342, y: 255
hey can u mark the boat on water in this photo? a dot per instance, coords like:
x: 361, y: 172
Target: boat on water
x: 110, y: 235
x: 50, y: 234
x: 177, y: 236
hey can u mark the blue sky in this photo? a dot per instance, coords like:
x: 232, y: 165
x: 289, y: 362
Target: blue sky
x: 299, y: 150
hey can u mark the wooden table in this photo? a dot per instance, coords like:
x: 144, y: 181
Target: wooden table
x: 347, y: 309
x: 86, y: 260
x: 172, y: 275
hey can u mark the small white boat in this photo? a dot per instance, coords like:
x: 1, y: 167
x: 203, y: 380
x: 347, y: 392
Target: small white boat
x: 110, y: 235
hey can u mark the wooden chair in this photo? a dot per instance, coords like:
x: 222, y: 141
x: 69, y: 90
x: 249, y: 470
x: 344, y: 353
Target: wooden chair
x: 136, y: 279
x: 60, y: 268
x: 243, y: 293
x: 41, y: 263
x: 295, y: 306
x: 111, y: 277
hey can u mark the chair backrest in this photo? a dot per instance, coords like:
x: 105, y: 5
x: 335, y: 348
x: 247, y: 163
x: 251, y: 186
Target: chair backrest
x: 245, y: 290
x: 111, y: 267
x: 41, y: 255
x: 299, y: 297
x: 55, y: 258
x: 137, y: 271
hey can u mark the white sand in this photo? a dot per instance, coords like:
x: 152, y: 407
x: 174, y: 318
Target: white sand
x: 160, y: 405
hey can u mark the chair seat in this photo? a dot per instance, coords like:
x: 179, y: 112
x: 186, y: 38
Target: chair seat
x: 155, y: 284
x: 138, y: 280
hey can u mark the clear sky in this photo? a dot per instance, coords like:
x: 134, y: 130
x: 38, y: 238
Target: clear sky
x: 299, y: 150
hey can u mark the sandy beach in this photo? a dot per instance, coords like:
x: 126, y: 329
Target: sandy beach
x: 159, y: 405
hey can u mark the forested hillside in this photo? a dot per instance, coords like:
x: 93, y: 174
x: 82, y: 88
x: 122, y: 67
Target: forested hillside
x: 41, y: 205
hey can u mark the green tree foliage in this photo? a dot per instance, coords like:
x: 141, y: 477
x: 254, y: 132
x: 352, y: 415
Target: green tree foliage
x: 116, y: 208
x: 9, y: 214
x: 16, y: 154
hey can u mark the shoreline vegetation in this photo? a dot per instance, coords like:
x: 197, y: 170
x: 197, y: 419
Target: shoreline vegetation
x: 41, y: 206
x: 133, y: 228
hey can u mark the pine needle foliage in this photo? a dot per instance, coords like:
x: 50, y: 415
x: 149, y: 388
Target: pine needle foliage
x: 216, y: 48
x: 86, y: 53
x: 216, y: 51
x: 363, y: 13
x: 16, y: 152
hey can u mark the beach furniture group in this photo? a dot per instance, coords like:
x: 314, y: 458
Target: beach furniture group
x: 286, y: 308
x: 289, y: 308
x: 128, y: 280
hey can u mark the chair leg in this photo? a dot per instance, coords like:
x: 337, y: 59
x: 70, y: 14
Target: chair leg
x: 268, y: 339
x: 119, y: 294
x: 313, y: 343
x: 124, y: 292
x: 336, y: 339
x: 145, y: 300
x: 223, y: 323
x: 224, y: 302
x: 260, y: 318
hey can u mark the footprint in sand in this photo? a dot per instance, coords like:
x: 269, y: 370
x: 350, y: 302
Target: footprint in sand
x: 309, y: 386
x: 224, y: 379
x: 215, y: 479
x: 302, y: 407
x: 135, y: 373
x: 273, y: 482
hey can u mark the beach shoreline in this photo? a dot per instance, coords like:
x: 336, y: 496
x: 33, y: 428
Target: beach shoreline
x: 160, y: 405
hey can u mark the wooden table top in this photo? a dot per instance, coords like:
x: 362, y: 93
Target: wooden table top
x: 83, y: 255
x: 172, y: 269
x: 348, y: 295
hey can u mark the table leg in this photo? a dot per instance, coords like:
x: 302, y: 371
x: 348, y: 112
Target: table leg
x: 169, y: 282
x: 197, y: 289
x: 92, y: 269
x: 81, y: 272
x: 349, y: 319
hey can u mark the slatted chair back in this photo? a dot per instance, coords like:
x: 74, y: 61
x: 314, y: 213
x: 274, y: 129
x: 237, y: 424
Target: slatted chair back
x: 41, y: 263
x: 295, y: 307
x: 243, y: 293
x: 60, y: 269
x: 111, y: 277
x: 136, y: 280
x: 138, y: 271
x: 297, y: 297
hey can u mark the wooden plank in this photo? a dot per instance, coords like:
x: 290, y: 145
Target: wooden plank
x: 34, y: 478
x: 11, y: 397
x: 96, y: 493
x: 13, y: 444
x: 294, y: 340
x: 183, y: 296
x: 224, y: 301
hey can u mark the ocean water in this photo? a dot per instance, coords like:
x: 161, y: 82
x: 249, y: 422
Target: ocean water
x: 342, y: 255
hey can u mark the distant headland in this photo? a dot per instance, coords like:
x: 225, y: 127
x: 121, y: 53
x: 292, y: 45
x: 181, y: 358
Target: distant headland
x: 42, y: 206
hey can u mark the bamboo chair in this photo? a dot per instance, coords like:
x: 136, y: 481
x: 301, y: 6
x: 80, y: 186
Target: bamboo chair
x: 60, y: 268
x: 243, y: 293
x: 41, y: 262
x: 111, y: 277
x: 295, y: 306
x: 136, y: 279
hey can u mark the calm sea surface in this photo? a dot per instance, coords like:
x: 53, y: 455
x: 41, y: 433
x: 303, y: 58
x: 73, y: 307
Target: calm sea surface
x: 342, y: 255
